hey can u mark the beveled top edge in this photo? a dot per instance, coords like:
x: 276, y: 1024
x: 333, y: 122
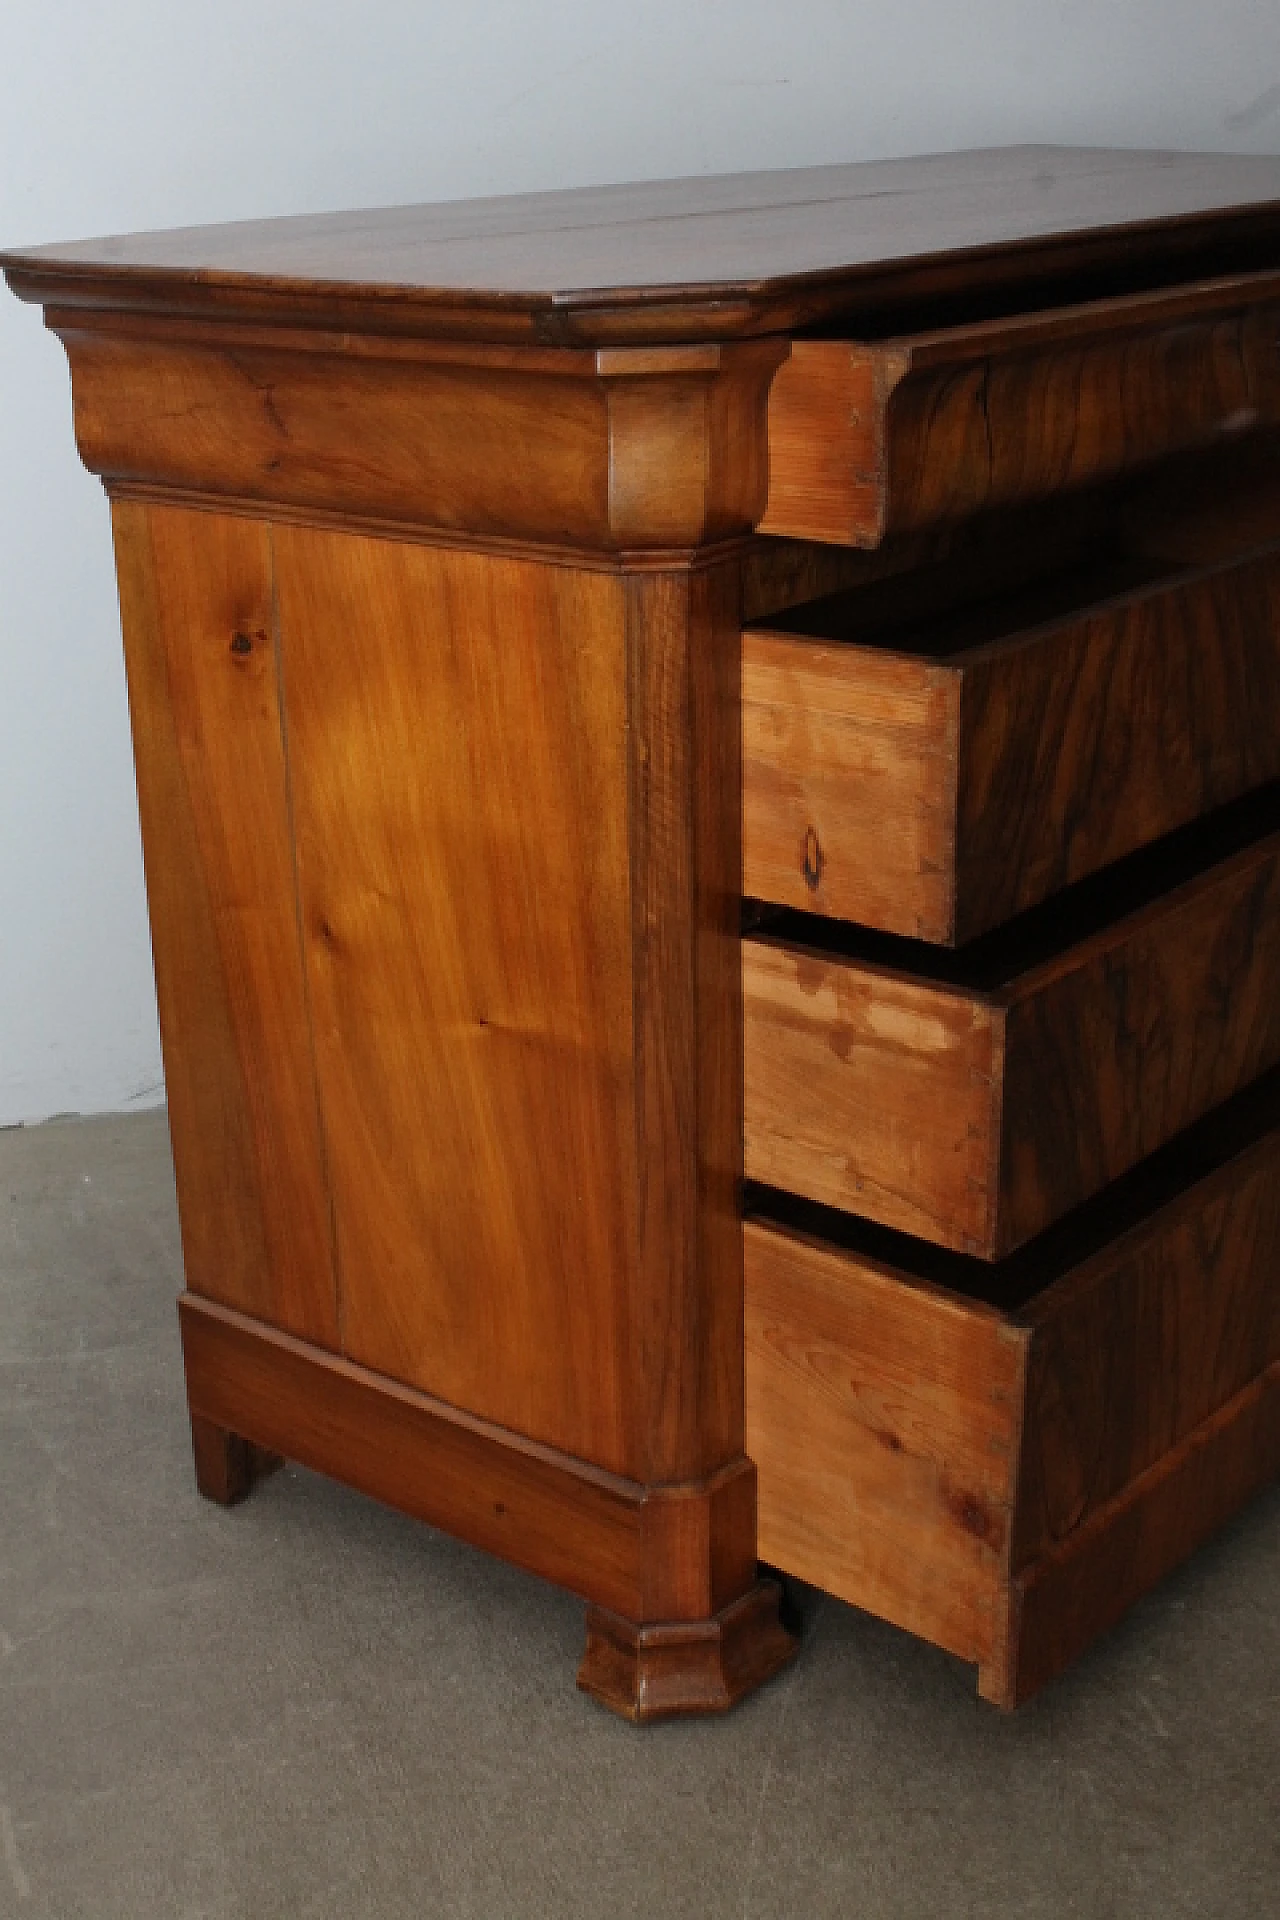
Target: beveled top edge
x: 718, y: 256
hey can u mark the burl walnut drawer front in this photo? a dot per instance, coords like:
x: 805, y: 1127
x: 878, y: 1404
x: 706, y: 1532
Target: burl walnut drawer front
x: 975, y: 1098
x: 932, y: 768
x: 871, y: 438
x: 1001, y: 1459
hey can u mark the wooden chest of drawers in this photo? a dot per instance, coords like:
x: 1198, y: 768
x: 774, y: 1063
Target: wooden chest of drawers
x: 757, y: 688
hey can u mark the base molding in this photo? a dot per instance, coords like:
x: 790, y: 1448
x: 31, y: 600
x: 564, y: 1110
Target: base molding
x: 682, y: 1555
x: 672, y: 1669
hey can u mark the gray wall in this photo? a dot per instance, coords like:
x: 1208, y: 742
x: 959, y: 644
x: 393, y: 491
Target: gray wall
x: 144, y: 114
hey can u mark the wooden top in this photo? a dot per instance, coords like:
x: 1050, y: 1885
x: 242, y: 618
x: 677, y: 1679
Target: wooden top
x: 871, y: 247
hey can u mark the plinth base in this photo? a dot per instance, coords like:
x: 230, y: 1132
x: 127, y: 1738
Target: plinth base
x: 673, y: 1668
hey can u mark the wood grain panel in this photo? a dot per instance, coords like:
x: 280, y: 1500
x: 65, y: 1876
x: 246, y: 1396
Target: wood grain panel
x: 391, y: 437
x: 977, y: 1106
x: 196, y: 601
x: 932, y: 764
x: 883, y: 1419
x: 1020, y: 423
x: 458, y: 741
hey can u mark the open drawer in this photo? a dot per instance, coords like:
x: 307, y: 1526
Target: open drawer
x: 973, y: 1098
x: 1002, y: 1459
x: 871, y: 438
x: 933, y: 756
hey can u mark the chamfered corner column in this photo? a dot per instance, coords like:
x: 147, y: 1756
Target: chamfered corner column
x: 687, y: 479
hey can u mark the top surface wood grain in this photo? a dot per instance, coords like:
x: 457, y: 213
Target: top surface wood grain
x: 739, y: 253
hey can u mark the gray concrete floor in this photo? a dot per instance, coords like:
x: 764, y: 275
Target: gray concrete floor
x: 311, y: 1708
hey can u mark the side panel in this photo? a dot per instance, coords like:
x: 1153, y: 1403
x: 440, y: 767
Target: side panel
x: 458, y: 752
x: 849, y: 783
x: 883, y: 1420
x: 871, y: 1091
x: 826, y: 445
x: 195, y: 596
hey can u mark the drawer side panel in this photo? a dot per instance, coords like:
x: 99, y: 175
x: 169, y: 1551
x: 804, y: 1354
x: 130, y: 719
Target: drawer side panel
x: 849, y: 783
x: 883, y: 1422
x: 873, y: 1092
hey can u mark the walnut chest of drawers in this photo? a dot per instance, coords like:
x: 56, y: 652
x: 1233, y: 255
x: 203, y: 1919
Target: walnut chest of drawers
x: 709, y: 764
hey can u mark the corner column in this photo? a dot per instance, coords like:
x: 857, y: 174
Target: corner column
x: 687, y: 474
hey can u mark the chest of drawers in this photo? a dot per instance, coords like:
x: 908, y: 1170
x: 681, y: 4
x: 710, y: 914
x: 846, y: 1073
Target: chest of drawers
x: 709, y: 765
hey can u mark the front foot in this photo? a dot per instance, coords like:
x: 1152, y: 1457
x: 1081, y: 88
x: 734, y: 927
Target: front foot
x: 227, y: 1465
x: 678, y: 1667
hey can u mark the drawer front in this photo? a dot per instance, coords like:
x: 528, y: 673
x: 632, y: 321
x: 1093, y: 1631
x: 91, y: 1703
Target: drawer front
x: 939, y: 793
x: 869, y: 439
x: 978, y: 1474
x: 975, y: 1116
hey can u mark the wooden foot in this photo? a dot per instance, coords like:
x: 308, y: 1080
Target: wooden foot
x: 681, y: 1667
x: 226, y: 1465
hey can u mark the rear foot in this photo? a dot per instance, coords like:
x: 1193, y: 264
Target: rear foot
x: 226, y: 1464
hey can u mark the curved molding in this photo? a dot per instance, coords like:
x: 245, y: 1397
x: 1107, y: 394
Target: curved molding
x: 611, y: 450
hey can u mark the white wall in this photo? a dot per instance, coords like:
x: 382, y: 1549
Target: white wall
x: 147, y: 113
